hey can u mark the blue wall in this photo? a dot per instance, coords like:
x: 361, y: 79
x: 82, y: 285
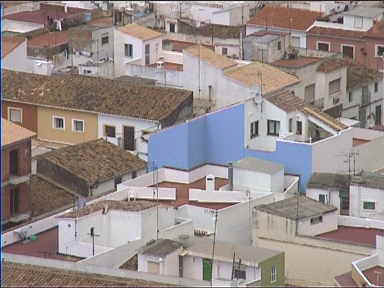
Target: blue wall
x: 219, y: 138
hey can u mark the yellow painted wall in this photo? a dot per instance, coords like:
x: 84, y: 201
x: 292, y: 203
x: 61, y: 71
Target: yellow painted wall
x: 47, y: 132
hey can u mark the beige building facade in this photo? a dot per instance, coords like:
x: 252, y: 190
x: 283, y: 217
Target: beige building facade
x: 66, y: 126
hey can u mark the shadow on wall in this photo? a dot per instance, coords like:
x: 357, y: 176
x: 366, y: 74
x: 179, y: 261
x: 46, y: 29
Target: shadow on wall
x: 218, y: 138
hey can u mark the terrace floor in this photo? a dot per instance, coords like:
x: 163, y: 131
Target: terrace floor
x: 355, y: 235
x: 182, y: 193
x: 345, y: 280
x: 45, y: 246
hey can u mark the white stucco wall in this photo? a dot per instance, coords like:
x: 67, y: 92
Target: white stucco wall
x: 19, y: 26
x: 332, y: 195
x: 169, y: 265
x: 252, y: 179
x: 349, y: 21
x: 193, y: 267
x: 358, y: 195
x: 329, y: 223
x: 119, y: 122
x: 222, y: 17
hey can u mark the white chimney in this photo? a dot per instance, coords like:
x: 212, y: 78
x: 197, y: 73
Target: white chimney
x: 210, y: 183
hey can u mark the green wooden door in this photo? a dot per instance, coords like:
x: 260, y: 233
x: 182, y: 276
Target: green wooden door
x: 207, y: 269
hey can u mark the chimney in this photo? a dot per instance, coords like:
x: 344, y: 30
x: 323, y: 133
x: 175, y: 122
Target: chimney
x: 230, y: 176
x: 210, y: 183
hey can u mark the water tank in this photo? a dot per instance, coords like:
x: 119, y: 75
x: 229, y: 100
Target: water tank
x: 210, y: 183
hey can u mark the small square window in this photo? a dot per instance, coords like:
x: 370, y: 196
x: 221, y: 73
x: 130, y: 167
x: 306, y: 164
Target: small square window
x: 78, y: 125
x: 376, y: 87
x: 172, y: 27
x: 379, y: 51
x: 323, y: 46
x: 224, y: 51
x: 254, y: 129
x: 15, y: 115
x: 273, y: 274
x: 58, y: 122
x: 290, y: 124
x: 110, y: 131
x: 273, y: 128
x: 240, y: 274
x: 316, y: 220
x: 369, y: 205
x: 104, y: 40
x: 350, y: 97
x: 279, y: 45
x: 128, y: 50
x: 299, y: 128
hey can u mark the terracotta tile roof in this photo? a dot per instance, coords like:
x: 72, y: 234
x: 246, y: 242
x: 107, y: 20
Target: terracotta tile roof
x: 328, y: 180
x: 46, y: 197
x: 93, y: 94
x: 132, y: 206
x: 333, y: 32
x: 209, y: 30
x: 267, y: 32
x: 160, y: 247
x: 332, y: 64
x: 298, y: 62
x: 11, y: 132
x: 324, y: 117
x: 49, y: 39
x: 21, y: 275
x: 286, y: 101
x: 101, y: 22
x: 273, y: 79
x: 9, y: 43
x: 359, y: 75
x: 139, y: 31
x: 96, y: 160
x: 40, y: 16
x: 219, y: 61
x: 377, y: 30
x: 275, y: 16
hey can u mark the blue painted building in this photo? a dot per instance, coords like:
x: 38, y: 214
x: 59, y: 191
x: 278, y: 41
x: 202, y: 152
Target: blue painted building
x: 218, y: 138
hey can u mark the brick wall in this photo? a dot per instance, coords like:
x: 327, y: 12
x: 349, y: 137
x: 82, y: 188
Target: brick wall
x: 29, y: 116
x: 24, y: 159
x: 62, y: 176
x: 23, y: 204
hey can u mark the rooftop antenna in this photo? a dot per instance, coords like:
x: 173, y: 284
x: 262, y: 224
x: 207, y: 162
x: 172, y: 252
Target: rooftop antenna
x: 156, y: 190
x: 213, y: 246
x: 93, y: 235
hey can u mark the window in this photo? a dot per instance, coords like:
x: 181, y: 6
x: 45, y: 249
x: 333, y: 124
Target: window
x: 350, y: 97
x: 348, y: 51
x: 273, y: 128
x: 118, y: 180
x: 224, y: 51
x: 58, y: 122
x: 15, y: 114
x: 14, y: 201
x: 378, y: 115
x: 172, y: 27
x: 379, y: 50
x: 290, y: 124
x: 110, y: 131
x: 104, y: 40
x: 78, y: 125
x: 128, y: 50
x: 376, y: 87
x: 322, y: 198
x: 147, y: 49
x: 368, y: 205
x: 134, y: 174
x: 323, y: 46
x: 365, y: 95
x: 334, y: 86
x: 240, y: 274
x: 273, y: 274
x: 295, y: 41
x: 279, y: 45
x: 299, y: 128
x: 254, y: 129
x: 316, y: 220
x: 358, y: 21
x: 309, y: 95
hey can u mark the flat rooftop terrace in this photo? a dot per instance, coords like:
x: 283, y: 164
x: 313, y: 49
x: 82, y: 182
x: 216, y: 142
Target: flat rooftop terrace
x: 182, y: 193
x: 45, y: 246
x: 375, y: 275
x: 354, y: 235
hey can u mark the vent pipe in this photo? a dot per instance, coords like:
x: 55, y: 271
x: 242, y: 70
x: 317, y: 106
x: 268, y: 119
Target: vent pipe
x: 230, y: 176
x: 210, y: 183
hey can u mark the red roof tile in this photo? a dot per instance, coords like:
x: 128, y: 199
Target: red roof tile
x: 336, y: 32
x: 282, y: 17
x: 50, y: 39
x: 296, y: 63
x: 346, y: 280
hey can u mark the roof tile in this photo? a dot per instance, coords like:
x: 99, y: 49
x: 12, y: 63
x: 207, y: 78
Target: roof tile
x: 139, y: 31
x: 11, y: 132
x: 205, y: 54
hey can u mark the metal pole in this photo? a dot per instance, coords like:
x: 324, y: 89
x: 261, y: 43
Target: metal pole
x: 213, y: 248
x: 157, y: 204
x: 93, y: 244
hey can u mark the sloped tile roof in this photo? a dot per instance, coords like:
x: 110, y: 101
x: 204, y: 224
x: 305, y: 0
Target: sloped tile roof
x: 205, y: 54
x: 132, y: 206
x: 9, y: 43
x: 273, y: 79
x: 324, y: 117
x: 336, y: 32
x: 95, y: 160
x: 286, y: 101
x: 139, y: 31
x: 11, y: 132
x: 22, y: 275
x: 359, y: 75
x: 161, y: 247
x: 282, y: 17
x: 49, y: 40
x: 93, y: 94
x: 297, y: 62
x: 332, y: 64
x: 328, y: 180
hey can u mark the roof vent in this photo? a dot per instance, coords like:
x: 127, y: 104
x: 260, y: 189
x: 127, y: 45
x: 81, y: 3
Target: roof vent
x: 210, y: 183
